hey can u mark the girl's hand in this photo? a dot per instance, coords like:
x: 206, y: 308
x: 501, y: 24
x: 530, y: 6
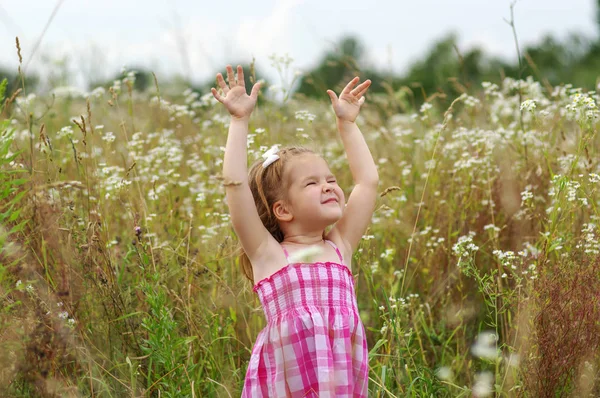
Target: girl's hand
x: 347, y: 106
x: 239, y: 104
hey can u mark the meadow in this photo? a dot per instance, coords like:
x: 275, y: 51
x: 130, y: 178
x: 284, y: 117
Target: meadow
x: 479, y: 275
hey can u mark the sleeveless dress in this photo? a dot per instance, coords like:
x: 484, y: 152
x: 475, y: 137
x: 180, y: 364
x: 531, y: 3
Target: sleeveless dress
x: 314, y: 343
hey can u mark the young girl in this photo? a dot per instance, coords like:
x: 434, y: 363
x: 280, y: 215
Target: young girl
x: 314, y: 344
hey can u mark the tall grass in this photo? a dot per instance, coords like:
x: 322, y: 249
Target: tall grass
x: 479, y: 275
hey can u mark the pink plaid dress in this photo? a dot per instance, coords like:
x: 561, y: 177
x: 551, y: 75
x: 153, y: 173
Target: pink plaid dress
x: 314, y: 344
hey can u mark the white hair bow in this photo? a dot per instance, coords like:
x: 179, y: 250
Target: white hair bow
x: 270, y: 156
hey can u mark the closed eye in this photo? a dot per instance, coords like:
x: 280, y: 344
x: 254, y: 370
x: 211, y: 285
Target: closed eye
x: 310, y: 183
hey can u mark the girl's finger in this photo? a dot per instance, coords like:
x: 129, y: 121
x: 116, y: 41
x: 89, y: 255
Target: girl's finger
x: 240, y: 76
x: 349, y: 85
x: 361, y: 88
x: 221, y: 83
x: 361, y: 101
x: 230, y: 77
x: 332, y: 96
x: 216, y: 94
x: 255, y: 90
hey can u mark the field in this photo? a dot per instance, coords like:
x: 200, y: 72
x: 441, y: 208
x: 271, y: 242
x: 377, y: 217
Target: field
x: 479, y: 275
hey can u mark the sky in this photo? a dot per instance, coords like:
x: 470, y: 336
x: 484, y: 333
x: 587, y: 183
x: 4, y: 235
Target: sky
x: 197, y: 38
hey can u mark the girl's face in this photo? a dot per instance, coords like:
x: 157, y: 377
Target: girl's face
x: 313, y: 194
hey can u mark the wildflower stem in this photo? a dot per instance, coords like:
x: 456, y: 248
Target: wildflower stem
x: 519, y: 58
x: 437, y: 138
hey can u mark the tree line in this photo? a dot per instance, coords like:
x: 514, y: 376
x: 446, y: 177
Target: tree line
x: 443, y: 71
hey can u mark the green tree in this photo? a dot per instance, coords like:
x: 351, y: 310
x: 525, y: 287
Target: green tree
x: 337, y: 67
x: 14, y: 81
x: 334, y: 69
x: 143, y: 79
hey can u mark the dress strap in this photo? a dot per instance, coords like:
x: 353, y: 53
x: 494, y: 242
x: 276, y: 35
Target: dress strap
x: 336, y: 250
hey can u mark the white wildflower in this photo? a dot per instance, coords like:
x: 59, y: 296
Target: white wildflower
x: 374, y: 266
x: 528, y: 105
x: 109, y: 136
x: 513, y: 360
x: 305, y: 255
x: 304, y: 115
x: 388, y: 254
x: 444, y: 373
x: 492, y: 227
x: 66, y: 131
x: 485, y: 346
x: 425, y: 107
x: 506, y: 257
x: 483, y: 386
x: 465, y: 246
x: 526, y: 194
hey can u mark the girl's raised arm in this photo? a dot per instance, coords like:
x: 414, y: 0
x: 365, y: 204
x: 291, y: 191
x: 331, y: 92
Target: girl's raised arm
x: 361, y: 202
x: 244, y: 216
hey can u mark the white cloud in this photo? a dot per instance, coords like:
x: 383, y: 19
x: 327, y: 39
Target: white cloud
x: 202, y: 47
x: 263, y: 36
x: 100, y: 37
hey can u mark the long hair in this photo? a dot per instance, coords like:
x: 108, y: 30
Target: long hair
x: 268, y: 186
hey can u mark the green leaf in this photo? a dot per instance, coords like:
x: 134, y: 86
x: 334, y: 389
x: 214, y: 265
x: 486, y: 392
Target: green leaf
x: 3, y: 86
x: 5, y: 145
x: 14, y: 215
x: 188, y: 340
x: 6, y: 214
x: 376, y: 347
x: 17, y: 198
x: 128, y: 316
x: 10, y: 158
x: 8, y: 172
x: 18, y: 227
x: 19, y: 181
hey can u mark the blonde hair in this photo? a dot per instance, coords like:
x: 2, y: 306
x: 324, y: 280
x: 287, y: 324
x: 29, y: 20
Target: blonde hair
x: 268, y: 186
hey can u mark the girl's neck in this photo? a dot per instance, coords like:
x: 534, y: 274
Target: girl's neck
x: 309, y: 239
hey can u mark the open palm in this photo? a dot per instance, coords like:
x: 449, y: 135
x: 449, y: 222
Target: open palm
x: 348, y: 105
x: 236, y: 100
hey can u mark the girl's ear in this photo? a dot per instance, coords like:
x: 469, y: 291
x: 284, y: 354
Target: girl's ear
x: 281, y: 211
